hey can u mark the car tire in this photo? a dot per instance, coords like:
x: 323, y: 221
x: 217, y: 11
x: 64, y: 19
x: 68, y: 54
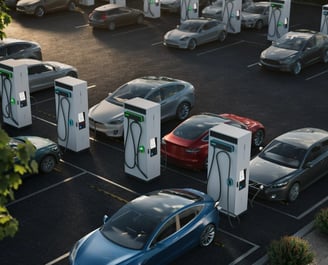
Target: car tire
x: 71, y: 6
x: 47, y: 164
x: 39, y: 11
x: 111, y: 26
x: 192, y: 44
x: 258, y: 138
x: 208, y: 235
x: 293, y: 192
x: 140, y: 19
x: 325, y: 56
x: 183, y: 111
x: 259, y: 25
x: 222, y: 36
x: 297, y: 68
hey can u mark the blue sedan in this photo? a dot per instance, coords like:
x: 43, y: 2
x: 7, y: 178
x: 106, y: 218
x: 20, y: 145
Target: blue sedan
x: 155, y: 228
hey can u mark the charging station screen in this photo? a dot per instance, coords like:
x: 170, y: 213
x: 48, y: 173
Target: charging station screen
x: 22, y: 96
x: 81, y: 117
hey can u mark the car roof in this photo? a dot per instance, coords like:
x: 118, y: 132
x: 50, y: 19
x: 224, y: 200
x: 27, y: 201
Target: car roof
x: 262, y: 3
x: 12, y: 40
x: 107, y: 7
x: 155, y: 80
x: 304, y: 137
x: 304, y: 33
x: 29, y: 61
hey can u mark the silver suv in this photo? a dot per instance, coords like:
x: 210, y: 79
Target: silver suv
x: 40, y: 7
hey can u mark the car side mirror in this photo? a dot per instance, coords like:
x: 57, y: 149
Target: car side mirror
x: 105, y: 219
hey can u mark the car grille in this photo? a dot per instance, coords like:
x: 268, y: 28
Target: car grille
x: 272, y: 62
x: 171, y: 43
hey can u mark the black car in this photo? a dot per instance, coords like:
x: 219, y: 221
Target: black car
x: 111, y: 16
x: 11, y: 48
x: 296, y: 50
x: 290, y: 163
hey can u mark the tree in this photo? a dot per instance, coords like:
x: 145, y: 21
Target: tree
x: 14, y: 163
x: 5, y: 18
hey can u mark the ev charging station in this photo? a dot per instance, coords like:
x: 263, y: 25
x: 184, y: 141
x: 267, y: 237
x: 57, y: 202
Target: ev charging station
x: 152, y: 8
x: 118, y: 2
x: 71, y: 97
x: 189, y: 9
x: 15, y: 92
x: 324, y: 20
x: 231, y: 15
x: 142, y: 132
x: 278, y: 19
x: 229, y: 151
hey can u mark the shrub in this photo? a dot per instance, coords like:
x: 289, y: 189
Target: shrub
x: 290, y: 250
x: 321, y: 220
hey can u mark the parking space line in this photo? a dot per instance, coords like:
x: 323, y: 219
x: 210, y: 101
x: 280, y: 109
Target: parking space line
x: 220, y: 48
x: 46, y: 121
x: 82, y: 26
x: 45, y: 189
x: 64, y: 256
x: 252, y: 65
x: 129, y: 31
x: 316, y: 75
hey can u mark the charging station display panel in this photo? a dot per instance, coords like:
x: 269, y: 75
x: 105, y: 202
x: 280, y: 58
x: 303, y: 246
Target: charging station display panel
x: 142, y: 128
x: 72, y: 113
x: 278, y: 19
x: 189, y: 9
x: 324, y: 20
x: 229, y: 152
x: 15, y: 93
x: 152, y: 8
x: 118, y: 2
x: 231, y: 15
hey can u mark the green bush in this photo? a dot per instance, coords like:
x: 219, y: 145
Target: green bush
x: 321, y: 220
x: 290, y: 250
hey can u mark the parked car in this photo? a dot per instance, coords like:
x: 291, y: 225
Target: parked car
x: 174, y: 6
x: 11, y: 48
x: 296, y: 50
x: 187, y: 144
x: 39, y: 8
x: 111, y: 16
x: 256, y: 16
x: 289, y: 164
x: 194, y: 32
x: 155, y: 228
x: 177, y: 97
x: 47, y: 153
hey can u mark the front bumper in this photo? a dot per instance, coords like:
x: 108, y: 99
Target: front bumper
x: 30, y: 10
x: 267, y: 192
x: 275, y: 65
x: 175, y: 44
x: 248, y: 24
x: 112, y: 130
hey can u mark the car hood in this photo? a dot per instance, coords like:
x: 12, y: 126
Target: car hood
x: 38, y: 142
x: 96, y: 249
x: 177, y: 34
x: 249, y: 123
x: 59, y: 65
x: 276, y: 53
x: 105, y: 111
x: 265, y: 172
x: 27, y: 2
x: 247, y: 16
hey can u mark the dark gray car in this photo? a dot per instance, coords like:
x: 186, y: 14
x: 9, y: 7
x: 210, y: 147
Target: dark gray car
x: 14, y: 49
x: 289, y: 164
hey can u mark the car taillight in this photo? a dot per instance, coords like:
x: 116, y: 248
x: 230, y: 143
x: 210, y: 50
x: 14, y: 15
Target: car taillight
x: 103, y: 17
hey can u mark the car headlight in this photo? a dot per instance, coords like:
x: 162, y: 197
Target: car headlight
x: 117, y: 121
x: 280, y: 184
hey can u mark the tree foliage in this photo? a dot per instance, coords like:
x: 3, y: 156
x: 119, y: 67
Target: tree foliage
x: 5, y: 18
x: 14, y: 162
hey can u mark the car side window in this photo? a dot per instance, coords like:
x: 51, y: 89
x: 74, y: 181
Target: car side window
x: 168, y: 229
x: 313, y: 154
x: 311, y: 43
x: 155, y: 97
x: 189, y: 214
x: 324, y: 146
x: 3, y: 51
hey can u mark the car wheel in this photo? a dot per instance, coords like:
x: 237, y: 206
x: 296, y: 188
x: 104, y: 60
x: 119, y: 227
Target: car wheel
x: 258, y: 138
x: 294, y: 191
x: 39, y: 11
x: 140, y: 19
x: 325, y: 56
x: 183, y: 111
x: 71, y: 6
x: 222, y: 36
x: 207, y: 236
x: 72, y: 74
x: 192, y: 44
x: 47, y: 164
x: 259, y: 25
x: 297, y: 68
x: 111, y: 26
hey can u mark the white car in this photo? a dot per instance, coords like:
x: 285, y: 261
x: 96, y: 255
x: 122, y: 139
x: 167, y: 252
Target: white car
x: 176, y: 97
x: 256, y: 16
x: 193, y: 32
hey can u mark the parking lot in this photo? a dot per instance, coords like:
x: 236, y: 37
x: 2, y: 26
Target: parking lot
x: 57, y: 209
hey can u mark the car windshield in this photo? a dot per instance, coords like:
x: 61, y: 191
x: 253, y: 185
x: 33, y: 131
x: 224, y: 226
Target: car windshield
x: 291, y: 42
x: 283, y: 154
x: 190, y: 26
x: 254, y: 9
x: 129, y: 91
x: 129, y: 227
x: 195, y: 126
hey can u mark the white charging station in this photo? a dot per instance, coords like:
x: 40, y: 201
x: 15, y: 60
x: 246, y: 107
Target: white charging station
x: 118, y: 2
x: 324, y: 20
x: 15, y: 92
x: 231, y: 15
x: 229, y: 151
x: 71, y: 97
x: 152, y: 8
x: 142, y: 132
x: 189, y: 9
x: 278, y: 19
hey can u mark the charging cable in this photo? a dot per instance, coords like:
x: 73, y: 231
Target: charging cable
x: 6, y: 92
x: 324, y: 25
x: 61, y: 112
x: 275, y: 16
x: 228, y: 9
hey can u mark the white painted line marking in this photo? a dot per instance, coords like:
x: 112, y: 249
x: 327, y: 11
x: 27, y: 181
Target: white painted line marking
x: 316, y: 75
x: 82, y: 26
x: 157, y: 43
x: 252, y: 65
x: 91, y: 86
x: 220, y: 48
x: 64, y: 256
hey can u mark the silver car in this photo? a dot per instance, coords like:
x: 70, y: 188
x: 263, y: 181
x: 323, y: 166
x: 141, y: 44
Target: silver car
x: 177, y: 97
x: 14, y: 49
x: 256, y: 16
x: 193, y: 32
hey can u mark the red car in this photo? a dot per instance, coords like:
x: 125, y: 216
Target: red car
x: 187, y: 144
